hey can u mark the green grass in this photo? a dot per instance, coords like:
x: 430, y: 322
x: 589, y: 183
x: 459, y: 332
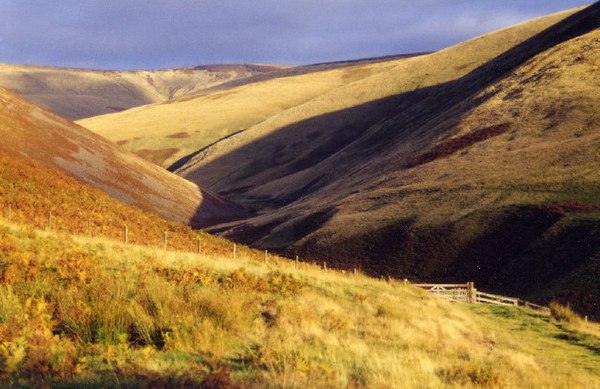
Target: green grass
x: 553, y: 342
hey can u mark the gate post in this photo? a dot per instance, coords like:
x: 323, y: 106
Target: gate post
x: 471, y: 293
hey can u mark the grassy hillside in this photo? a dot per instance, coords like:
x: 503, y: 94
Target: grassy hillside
x: 476, y: 162
x: 80, y: 93
x: 88, y: 311
x: 263, y: 108
x: 165, y: 133
x: 30, y: 191
x: 28, y: 131
x: 433, y: 158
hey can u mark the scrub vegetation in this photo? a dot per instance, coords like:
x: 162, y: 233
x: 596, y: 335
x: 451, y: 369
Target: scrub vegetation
x: 89, y: 311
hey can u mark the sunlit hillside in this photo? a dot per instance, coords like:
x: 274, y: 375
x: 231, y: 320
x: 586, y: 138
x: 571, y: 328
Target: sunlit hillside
x: 106, y: 314
x: 80, y: 93
x: 165, y: 133
x: 27, y: 131
x: 80, y: 307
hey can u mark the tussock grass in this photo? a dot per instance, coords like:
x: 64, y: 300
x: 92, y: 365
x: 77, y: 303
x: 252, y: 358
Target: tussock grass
x: 80, y: 310
x: 564, y: 313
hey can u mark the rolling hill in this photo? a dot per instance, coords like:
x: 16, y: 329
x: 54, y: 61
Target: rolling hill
x: 474, y: 162
x: 80, y: 93
x: 31, y: 134
x: 170, y: 133
x: 78, y: 307
x: 479, y: 162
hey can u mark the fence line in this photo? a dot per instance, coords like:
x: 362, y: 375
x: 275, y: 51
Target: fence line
x: 48, y: 221
x: 467, y: 293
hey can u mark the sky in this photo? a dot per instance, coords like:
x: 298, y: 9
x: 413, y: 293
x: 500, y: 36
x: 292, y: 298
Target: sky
x: 152, y: 34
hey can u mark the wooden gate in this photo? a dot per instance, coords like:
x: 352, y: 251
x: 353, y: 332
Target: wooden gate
x: 467, y: 293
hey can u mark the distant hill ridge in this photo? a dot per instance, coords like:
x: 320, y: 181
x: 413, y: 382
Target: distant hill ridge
x: 79, y: 93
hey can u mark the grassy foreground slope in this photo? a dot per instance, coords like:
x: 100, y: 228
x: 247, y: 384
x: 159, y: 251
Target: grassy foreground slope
x: 88, y: 311
x: 79, y: 93
x: 29, y: 132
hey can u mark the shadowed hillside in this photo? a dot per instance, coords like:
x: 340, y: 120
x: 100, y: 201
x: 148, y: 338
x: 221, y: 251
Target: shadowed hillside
x: 31, y: 133
x: 489, y: 177
x: 80, y: 93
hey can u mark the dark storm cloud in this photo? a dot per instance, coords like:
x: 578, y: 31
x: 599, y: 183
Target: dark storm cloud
x: 151, y: 34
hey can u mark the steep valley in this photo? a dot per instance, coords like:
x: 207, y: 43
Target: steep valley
x: 475, y: 162
x: 426, y: 220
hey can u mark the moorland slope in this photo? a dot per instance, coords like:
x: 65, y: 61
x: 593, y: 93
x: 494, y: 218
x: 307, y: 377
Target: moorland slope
x: 29, y: 133
x: 491, y: 177
x: 80, y: 93
x: 168, y: 134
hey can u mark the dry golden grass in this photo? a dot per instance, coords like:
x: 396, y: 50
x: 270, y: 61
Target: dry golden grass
x: 89, y: 311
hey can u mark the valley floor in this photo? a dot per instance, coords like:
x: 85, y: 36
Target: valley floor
x: 78, y: 311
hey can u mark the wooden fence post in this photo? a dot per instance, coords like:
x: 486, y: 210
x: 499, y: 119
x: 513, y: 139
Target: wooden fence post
x: 126, y: 235
x: 199, y: 246
x: 471, y: 293
x: 325, y: 266
x: 266, y: 253
x: 234, y: 251
x: 165, y: 241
